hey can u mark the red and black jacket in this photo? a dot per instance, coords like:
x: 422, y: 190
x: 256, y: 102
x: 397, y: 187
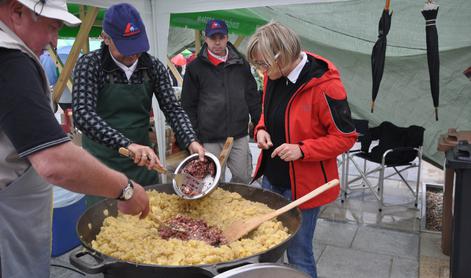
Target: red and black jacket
x: 317, y: 118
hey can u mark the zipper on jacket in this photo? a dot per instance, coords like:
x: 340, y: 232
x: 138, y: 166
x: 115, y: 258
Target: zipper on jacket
x: 288, y: 137
x: 323, y: 171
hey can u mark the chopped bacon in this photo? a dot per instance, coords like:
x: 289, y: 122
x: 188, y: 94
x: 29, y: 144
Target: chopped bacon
x: 199, y: 170
x: 186, y: 228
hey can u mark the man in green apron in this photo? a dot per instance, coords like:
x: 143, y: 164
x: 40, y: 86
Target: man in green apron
x: 112, y: 97
x: 34, y: 150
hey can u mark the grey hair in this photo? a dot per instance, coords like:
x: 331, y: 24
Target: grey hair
x: 274, y: 42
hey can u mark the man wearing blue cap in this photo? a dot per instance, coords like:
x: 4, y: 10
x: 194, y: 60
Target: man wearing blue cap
x: 219, y: 92
x: 112, y: 97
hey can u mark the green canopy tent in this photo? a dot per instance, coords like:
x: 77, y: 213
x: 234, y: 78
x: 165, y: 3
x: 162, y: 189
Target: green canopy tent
x: 71, y: 32
x: 239, y: 21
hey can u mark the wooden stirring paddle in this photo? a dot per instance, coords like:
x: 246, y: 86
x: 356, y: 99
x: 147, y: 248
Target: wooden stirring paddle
x: 226, y: 150
x: 240, y: 228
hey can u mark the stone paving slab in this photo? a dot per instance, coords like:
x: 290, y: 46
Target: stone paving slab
x: 387, y: 242
x: 318, y: 250
x: 335, y: 233
x: 430, y: 245
x: 337, y: 262
x: 404, y: 268
x: 432, y: 267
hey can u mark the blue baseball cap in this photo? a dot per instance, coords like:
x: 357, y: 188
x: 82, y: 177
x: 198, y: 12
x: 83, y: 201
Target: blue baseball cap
x: 215, y: 26
x: 124, y: 25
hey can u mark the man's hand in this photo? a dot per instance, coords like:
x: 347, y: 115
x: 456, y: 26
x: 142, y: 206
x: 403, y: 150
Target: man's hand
x: 144, y: 156
x: 138, y: 204
x: 196, y: 147
x: 287, y: 152
x: 264, y: 140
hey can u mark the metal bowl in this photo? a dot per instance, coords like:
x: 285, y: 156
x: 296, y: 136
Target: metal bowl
x: 210, y: 182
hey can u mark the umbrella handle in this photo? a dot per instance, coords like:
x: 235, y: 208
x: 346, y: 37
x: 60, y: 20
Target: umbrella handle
x: 386, y: 7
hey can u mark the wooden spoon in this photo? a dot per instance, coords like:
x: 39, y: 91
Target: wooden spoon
x: 226, y: 149
x: 241, y: 227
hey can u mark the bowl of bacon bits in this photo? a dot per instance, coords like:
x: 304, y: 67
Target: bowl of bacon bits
x: 202, y: 176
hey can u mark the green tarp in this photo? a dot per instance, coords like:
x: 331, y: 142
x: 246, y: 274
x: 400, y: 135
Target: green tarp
x: 71, y: 32
x: 239, y: 21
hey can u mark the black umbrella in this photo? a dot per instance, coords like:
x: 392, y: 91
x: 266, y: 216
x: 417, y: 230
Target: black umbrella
x: 430, y: 12
x: 379, y: 52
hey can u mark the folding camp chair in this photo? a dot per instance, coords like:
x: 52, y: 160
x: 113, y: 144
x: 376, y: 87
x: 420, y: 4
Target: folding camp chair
x: 361, y: 127
x: 397, y: 147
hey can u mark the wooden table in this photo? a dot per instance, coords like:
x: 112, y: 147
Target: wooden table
x: 446, y: 143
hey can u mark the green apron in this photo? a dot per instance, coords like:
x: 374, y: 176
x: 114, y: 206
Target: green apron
x: 125, y: 107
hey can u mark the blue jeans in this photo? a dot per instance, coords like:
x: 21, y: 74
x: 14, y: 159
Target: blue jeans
x: 300, y: 250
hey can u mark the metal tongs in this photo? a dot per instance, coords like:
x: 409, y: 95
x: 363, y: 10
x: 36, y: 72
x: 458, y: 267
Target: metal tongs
x: 183, y: 180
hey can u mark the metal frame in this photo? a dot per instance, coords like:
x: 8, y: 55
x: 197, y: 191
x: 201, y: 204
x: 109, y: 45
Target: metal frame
x: 378, y: 189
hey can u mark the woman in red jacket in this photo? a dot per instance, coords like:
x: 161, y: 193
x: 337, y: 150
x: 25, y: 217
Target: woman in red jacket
x: 305, y: 125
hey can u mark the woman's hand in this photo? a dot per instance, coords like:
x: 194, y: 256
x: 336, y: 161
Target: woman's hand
x: 288, y: 152
x: 264, y: 140
x: 144, y: 156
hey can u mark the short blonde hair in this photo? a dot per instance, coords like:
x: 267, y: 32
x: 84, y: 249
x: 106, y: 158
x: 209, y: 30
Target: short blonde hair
x: 274, y: 42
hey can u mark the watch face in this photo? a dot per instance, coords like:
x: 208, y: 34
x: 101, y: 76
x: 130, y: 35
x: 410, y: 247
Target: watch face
x: 128, y: 192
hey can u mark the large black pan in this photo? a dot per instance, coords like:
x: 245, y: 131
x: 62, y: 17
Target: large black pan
x: 90, y: 222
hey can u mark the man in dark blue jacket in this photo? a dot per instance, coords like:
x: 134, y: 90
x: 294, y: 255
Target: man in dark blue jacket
x: 219, y: 92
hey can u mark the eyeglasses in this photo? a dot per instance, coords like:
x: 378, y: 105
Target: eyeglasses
x: 261, y: 65
x: 264, y: 65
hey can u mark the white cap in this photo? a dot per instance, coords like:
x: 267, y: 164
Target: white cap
x: 56, y: 9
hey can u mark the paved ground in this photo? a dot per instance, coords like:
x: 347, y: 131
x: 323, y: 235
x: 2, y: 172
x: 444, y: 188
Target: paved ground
x: 354, y: 239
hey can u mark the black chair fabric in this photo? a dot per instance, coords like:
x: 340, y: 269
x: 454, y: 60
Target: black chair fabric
x: 391, y: 136
x: 361, y: 127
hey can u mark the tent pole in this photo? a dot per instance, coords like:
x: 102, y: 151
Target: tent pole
x: 175, y: 72
x: 159, y: 24
x: 74, y: 52
x: 239, y: 41
x: 197, y: 42
x: 59, y: 65
x: 86, y: 44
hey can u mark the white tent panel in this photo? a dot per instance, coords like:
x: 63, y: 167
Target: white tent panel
x: 185, y: 6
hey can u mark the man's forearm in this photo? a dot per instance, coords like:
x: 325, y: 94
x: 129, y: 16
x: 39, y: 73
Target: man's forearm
x: 73, y: 168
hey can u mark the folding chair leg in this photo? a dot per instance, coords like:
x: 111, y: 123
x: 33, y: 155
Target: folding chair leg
x: 342, y: 178
x: 381, y: 188
x: 344, y: 182
x: 347, y: 169
x: 418, y: 178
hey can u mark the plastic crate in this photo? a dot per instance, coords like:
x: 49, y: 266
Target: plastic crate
x: 64, y: 221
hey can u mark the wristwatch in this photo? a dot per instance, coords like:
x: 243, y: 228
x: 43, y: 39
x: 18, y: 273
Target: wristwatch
x: 128, y: 191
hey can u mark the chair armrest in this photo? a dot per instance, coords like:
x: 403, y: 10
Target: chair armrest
x: 402, y: 149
